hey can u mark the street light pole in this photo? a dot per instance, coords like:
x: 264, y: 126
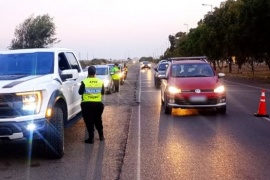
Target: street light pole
x: 209, y: 5
x: 187, y: 27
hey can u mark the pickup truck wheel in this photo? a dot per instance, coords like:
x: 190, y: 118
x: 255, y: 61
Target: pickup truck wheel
x: 54, y: 135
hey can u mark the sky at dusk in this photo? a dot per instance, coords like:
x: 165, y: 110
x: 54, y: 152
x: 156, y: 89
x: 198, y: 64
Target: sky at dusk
x: 110, y: 29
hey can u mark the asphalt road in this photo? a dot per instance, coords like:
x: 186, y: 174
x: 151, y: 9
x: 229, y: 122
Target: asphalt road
x: 191, y: 144
x: 144, y: 143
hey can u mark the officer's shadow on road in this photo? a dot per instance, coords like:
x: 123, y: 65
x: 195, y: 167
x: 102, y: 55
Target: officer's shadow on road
x: 94, y: 160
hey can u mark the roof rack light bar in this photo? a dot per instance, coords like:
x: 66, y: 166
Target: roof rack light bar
x: 203, y: 58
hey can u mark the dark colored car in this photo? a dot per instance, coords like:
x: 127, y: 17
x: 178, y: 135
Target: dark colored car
x: 145, y: 64
x: 160, y: 70
x: 192, y: 84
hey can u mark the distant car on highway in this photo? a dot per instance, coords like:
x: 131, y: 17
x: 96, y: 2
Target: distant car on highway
x: 192, y: 83
x: 160, y: 69
x: 146, y: 64
x: 103, y: 72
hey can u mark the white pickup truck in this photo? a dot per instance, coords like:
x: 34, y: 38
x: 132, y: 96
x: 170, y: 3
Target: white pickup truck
x: 39, y: 95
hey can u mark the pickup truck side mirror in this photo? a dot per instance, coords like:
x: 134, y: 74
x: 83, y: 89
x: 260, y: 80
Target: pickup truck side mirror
x: 69, y: 74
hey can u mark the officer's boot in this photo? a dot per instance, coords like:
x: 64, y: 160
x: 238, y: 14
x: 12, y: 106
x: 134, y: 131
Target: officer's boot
x: 90, y: 140
x: 101, y: 136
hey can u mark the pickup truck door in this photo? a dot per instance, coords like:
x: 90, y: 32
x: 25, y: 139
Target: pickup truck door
x: 67, y: 84
x: 76, y: 98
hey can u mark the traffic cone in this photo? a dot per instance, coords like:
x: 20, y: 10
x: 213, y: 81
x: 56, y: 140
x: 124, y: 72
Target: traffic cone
x: 262, y: 106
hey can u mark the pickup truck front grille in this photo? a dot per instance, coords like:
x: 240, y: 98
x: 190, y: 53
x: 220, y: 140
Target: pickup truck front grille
x: 9, y: 98
x: 10, y: 106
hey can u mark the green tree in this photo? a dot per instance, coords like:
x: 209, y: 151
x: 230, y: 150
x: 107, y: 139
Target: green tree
x: 35, y: 32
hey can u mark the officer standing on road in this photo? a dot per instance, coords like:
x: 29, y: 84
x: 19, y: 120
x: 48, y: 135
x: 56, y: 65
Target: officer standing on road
x: 92, y: 89
x: 125, y: 70
x: 115, y: 72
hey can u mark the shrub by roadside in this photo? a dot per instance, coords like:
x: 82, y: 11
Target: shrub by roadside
x: 261, y: 73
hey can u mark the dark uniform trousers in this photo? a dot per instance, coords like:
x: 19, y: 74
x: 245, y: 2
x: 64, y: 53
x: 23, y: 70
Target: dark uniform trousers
x: 92, y: 116
x: 116, y: 83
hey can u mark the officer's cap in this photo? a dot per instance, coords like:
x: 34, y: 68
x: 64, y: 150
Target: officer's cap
x: 91, y: 70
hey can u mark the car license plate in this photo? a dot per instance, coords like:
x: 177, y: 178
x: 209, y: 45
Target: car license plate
x: 197, y: 99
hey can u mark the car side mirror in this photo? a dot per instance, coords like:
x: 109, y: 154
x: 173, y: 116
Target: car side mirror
x: 155, y: 68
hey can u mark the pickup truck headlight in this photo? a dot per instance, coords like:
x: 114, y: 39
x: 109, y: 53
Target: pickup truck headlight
x: 219, y: 89
x: 173, y: 90
x: 31, y: 101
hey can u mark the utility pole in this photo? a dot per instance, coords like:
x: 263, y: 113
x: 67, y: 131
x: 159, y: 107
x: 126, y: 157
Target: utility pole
x: 209, y: 5
x: 187, y: 27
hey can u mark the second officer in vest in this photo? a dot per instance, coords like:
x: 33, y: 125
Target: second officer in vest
x: 92, y: 89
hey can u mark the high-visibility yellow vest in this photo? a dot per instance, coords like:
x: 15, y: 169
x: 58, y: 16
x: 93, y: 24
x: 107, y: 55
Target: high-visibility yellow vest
x: 116, y: 73
x: 93, y: 87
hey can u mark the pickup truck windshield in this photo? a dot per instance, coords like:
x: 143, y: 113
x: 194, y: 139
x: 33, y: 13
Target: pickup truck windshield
x: 38, y: 63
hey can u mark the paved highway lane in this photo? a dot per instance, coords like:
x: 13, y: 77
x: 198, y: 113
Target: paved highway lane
x: 193, y: 144
x: 144, y: 143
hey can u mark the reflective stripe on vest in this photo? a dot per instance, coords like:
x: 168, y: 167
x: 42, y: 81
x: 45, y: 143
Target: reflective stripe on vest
x: 92, y: 93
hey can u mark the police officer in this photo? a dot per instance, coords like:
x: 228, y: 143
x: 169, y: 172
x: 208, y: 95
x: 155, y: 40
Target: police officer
x: 92, y: 89
x: 125, y: 70
x: 116, y: 73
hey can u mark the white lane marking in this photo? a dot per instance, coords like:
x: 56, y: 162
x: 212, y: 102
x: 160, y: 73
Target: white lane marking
x: 267, y: 119
x: 139, y: 132
x: 247, y: 85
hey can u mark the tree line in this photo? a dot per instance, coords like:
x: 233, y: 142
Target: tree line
x: 238, y: 28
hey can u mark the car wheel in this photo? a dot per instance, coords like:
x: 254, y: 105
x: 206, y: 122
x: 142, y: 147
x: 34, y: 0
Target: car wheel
x: 168, y: 109
x: 110, y: 90
x: 222, y: 109
x: 157, y: 84
x: 54, y: 134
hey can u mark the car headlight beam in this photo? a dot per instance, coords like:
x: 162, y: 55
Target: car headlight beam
x: 173, y: 90
x: 219, y: 89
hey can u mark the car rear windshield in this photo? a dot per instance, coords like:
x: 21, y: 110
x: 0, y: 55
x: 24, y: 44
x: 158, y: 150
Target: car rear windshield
x: 162, y: 67
x: 38, y: 63
x: 101, y: 71
x: 145, y: 62
x: 192, y: 70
